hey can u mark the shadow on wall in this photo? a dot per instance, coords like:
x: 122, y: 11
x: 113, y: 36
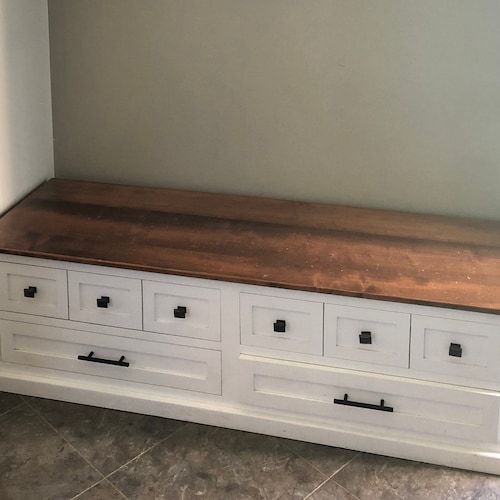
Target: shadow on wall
x: 6, y: 167
x: 26, y: 153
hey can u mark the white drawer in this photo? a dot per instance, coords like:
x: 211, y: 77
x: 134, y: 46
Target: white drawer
x: 425, y: 408
x: 458, y: 348
x: 33, y: 290
x: 367, y: 335
x: 105, y: 300
x: 182, y: 310
x: 283, y: 324
x: 151, y: 363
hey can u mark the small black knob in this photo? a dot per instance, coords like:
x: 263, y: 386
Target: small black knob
x: 103, y: 302
x: 455, y: 350
x: 180, y: 312
x: 30, y: 292
x: 365, y: 338
x: 279, y: 326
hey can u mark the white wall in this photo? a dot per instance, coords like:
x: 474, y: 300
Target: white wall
x: 26, y: 152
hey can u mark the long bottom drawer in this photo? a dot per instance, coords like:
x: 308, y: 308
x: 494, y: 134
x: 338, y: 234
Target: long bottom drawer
x: 336, y: 395
x: 111, y: 356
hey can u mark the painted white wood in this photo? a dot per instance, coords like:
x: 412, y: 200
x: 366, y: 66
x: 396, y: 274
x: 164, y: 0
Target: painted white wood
x: 110, y: 330
x: 51, y: 298
x: 183, y: 367
x: 462, y: 431
x: 480, y: 343
x: 202, y: 319
x: 390, y: 335
x: 304, y: 323
x: 381, y: 305
x: 124, y: 309
x: 419, y: 407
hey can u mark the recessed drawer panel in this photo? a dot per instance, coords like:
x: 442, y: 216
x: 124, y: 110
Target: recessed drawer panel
x: 105, y: 300
x: 182, y: 310
x: 283, y: 324
x: 367, y: 335
x: 335, y: 396
x: 112, y: 357
x: 464, y: 350
x: 33, y: 290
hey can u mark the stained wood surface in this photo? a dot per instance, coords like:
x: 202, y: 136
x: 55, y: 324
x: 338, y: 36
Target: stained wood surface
x: 377, y: 254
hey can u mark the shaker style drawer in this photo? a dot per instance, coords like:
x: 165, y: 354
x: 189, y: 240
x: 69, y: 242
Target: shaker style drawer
x: 282, y: 324
x: 111, y: 357
x: 334, y: 396
x: 367, y: 335
x: 33, y: 290
x: 188, y: 311
x: 105, y: 300
x: 461, y: 349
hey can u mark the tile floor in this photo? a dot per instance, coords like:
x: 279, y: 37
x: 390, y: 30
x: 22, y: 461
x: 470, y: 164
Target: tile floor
x: 55, y: 450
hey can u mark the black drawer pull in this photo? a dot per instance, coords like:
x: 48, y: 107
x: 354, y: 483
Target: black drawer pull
x: 180, y: 312
x: 30, y: 292
x: 279, y: 326
x: 365, y: 338
x: 368, y: 406
x: 455, y: 350
x: 91, y: 358
x: 103, y: 302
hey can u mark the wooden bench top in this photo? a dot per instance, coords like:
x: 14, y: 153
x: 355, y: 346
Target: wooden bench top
x: 376, y: 254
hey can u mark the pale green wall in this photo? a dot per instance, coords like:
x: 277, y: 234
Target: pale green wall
x: 386, y: 103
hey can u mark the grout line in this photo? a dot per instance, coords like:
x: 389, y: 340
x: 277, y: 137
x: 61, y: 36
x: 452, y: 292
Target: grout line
x: 309, y: 495
x: 116, y: 489
x: 332, y: 475
x: 96, y: 484
x: 103, y: 477
x: 64, y: 439
x: 332, y: 480
x: 12, y: 409
x: 87, y: 489
x: 145, y: 451
x: 297, y: 454
x: 346, y: 464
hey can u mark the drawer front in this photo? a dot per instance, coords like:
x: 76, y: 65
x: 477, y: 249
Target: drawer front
x: 33, y: 290
x: 425, y: 408
x: 150, y: 363
x: 182, y: 310
x: 458, y: 348
x: 105, y: 300
x: 367, y: 335
x: 283, y: 324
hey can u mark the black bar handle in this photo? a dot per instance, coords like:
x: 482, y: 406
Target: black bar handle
x: 103, y: 302
x: 30, y: 292
x: 365, y: 338
x: 90, y: 357
x: 180, y: 312
x: 455, y: 350
x: 368, y: 406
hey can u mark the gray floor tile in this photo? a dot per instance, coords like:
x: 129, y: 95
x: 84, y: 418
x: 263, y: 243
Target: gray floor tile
x: 332, y: 491
x: 8, y: 401
x: 200, y: 461
x: 375, y: 477
x: 102, y: 491
x: 106, y: 438
x: 326, y: 459
x: 36, y: 463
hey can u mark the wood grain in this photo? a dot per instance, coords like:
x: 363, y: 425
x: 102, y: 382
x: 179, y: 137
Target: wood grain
x: 377, y: 254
